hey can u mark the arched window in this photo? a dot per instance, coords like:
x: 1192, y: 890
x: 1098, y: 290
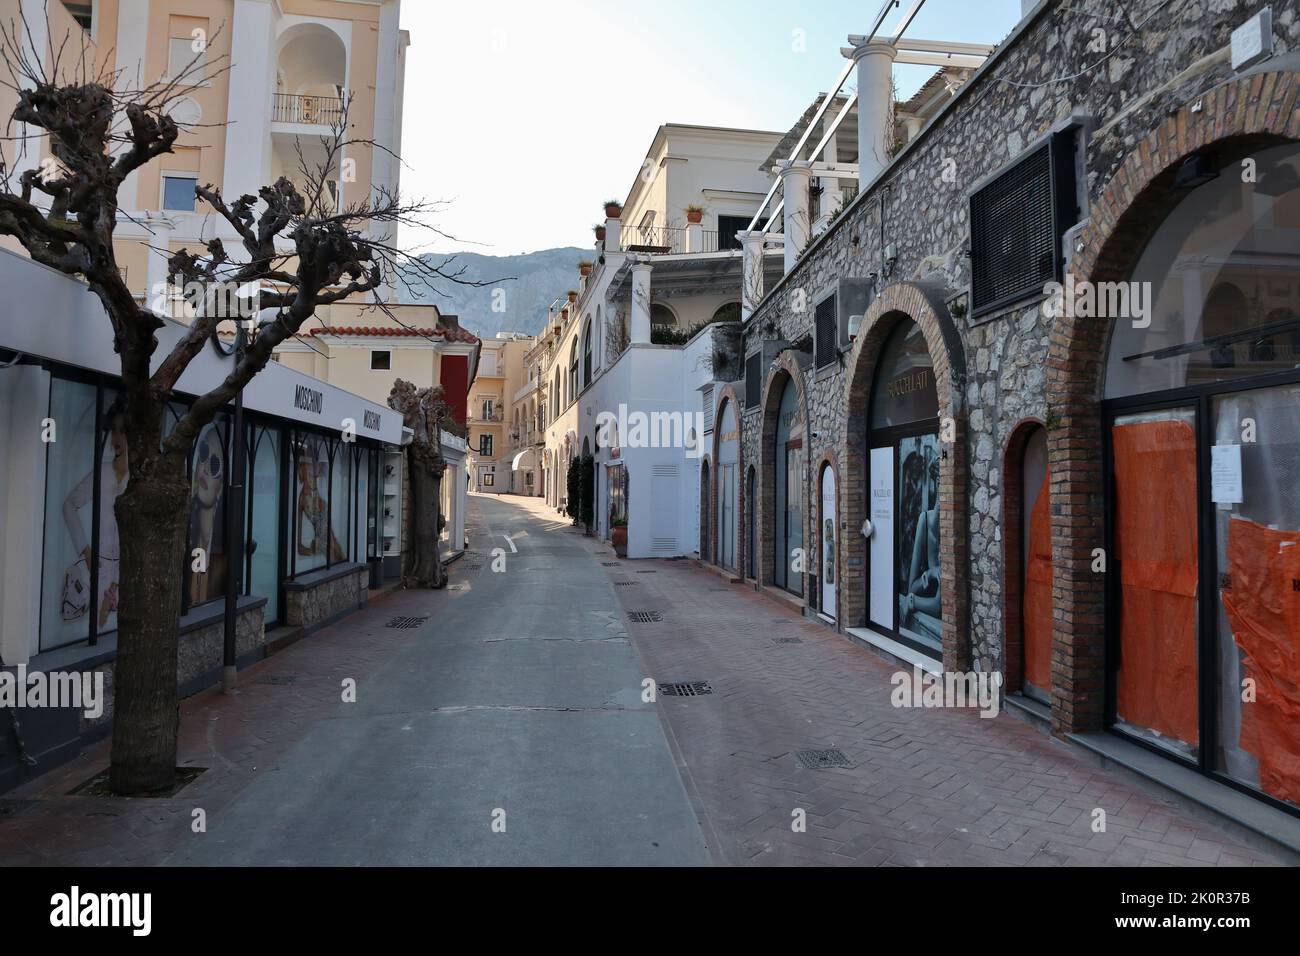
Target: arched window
x: 586, y: 355
x: 1202, y: 445
x: 573, y: 370
x: 661, y: 315
x: 727, y: 313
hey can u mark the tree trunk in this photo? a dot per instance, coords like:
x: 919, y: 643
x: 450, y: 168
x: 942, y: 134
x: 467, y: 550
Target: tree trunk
x: 424, y: 568
x: 151, y: 522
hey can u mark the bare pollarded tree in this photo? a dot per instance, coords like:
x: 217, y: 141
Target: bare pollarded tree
x: 295, y: 242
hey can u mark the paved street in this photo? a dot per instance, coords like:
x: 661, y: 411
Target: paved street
x: 519, y: 702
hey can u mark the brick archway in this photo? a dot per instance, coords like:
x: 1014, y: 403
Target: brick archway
x: 726, y: 395
x: 1013, y: 532
x: 1238, y: 117
x: 784, y: 368
x: 922, y: 304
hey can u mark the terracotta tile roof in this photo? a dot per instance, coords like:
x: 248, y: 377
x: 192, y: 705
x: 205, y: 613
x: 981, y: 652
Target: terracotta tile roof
x: 451, y: 335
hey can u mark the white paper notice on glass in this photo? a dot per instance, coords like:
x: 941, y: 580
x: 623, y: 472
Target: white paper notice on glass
x: 1225, y: 475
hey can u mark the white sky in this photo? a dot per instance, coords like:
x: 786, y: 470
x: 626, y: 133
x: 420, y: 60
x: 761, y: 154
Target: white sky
x: 525, y: 116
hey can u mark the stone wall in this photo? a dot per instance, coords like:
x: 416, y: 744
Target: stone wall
x: 920, y: 205
x: 312, y: 602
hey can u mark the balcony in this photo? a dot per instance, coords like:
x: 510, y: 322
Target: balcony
x: 306, y: 109
x: 668, y: 240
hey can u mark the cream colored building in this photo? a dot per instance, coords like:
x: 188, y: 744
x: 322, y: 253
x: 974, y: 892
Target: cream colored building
x: 272, y: 76
x: 499, y: 376
x: 527, y: 442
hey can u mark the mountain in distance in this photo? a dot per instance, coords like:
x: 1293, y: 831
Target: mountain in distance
x: 530, y: 282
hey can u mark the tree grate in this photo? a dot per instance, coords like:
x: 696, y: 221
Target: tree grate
x: 823, y: 759
x: 787, y: 640
x: 278, y: 680
x: 406, y: 622
x: 686, y: 688
x: 645, y: 617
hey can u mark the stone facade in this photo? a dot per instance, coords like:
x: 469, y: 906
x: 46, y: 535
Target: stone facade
x: 1159, y: 95
x: 316, y: 599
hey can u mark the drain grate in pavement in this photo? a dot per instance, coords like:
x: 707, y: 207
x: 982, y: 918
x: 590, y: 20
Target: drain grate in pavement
x: 647, y: 572
x: 406, y: 622
x: 686, y: 688
x: 609, y: 564
x: 624, y: 584
x: 278, y: 680
x: 823, y: 759
x: 787, y: 640
x: 645, y: 617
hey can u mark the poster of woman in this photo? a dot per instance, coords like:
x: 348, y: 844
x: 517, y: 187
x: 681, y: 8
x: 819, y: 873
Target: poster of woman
x: 919, y: 595
x: 207, y: 524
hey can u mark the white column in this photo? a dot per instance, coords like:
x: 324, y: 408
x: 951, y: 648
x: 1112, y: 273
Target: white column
x: 613, y: 228
x: 640, y: 326
x: 875, y: 62
x: 795, y: 175
x: 751, y: 281
x: 252, y: 81
x: 695, y: 237
x: 831, y: 196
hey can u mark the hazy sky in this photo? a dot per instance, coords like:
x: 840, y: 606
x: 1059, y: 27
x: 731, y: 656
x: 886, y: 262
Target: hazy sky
x: 524, y: 116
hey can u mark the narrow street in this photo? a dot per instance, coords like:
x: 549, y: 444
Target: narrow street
x: 519, y: 701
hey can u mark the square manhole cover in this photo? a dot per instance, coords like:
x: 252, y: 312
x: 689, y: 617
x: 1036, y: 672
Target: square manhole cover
x: 787, y: 640
x: 406, y: 622
x: 645, y: 617
x: 823, y: 759
x: 686, y: 688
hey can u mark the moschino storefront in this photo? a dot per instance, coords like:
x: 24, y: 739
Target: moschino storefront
x: 313, y: 507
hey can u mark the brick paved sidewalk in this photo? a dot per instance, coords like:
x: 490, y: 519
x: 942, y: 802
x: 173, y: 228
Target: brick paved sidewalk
x: 926, y: 787
x: 236, y: 737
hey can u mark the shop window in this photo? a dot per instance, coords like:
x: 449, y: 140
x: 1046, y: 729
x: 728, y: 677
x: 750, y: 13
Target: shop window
x: 206, y: 554
x: 263, y: 527
x: 489, y: 479
x: 86, y: 469
x: 788, y: 558
x: 728, y: 452
x: 904, y: 578
x: 315, y: 543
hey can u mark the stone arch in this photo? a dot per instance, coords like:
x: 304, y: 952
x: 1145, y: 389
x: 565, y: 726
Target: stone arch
x: 724, y: 395
x: 785, y: 367
x: 829, y: 459
x: 924, y: 305
x: 1238, y: 117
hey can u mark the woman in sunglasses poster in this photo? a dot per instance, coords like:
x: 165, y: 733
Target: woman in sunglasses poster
x: 206, y: 518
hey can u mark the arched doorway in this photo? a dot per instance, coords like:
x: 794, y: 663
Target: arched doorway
x: 1201, y: 430
x: 788, y: 560
x: 827, y: 525
x: 1027, y: 562
x: 904, y: 578
x: 728, y: 458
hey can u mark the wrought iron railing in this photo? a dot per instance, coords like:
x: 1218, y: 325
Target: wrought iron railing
x: 665, y: 240
x: 308, y: 109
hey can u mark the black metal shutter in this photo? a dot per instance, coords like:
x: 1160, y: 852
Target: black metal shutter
x: 825, y: 331
x: 1017, y: 221
x: 753, y: 381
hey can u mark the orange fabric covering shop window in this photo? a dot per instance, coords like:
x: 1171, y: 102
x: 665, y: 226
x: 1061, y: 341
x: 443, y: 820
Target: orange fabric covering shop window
x: 1038, y: 593
x: 1155, y: 542
x: 1263, y: 605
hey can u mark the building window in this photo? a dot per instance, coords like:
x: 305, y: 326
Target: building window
x: 728, y: 226
x: 83, y: 13
x: 381, y: 359
x: 183, y: 58
x: 487, y: 409
x: 825, y: 332
x: 1017, y: 222
x: 753, y: 380
x: 178, y: 193
x: 485, y: 445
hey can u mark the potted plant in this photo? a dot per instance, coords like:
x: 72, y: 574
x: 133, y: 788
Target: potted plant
x: 618, y: 536
x: 573, y: 296
x: 613, y: 209
x: 694, y: 214
x: 599, y: 229
x: 584, y: 268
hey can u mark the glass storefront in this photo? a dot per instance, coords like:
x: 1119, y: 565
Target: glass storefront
x: 1202, y: 403
x: 904, y: 579
x: 324, y: 500
x: 728, y: 454
x: 788, y: 558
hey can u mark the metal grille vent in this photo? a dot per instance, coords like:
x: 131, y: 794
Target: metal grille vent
x: 1017, y: 221
x: 753, y: 379
x: 688, y: 688
x: 822, y: 759
x: 406, y: 622
x: 825, y: 332
x: 644, y: 617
